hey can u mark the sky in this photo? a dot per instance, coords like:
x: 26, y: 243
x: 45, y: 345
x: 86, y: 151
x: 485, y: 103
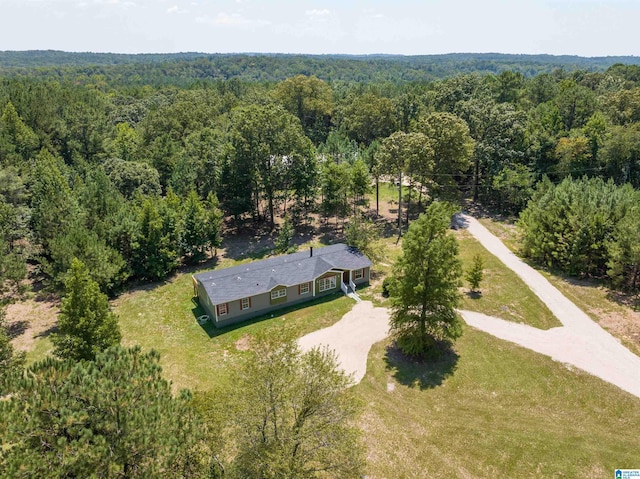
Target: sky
x: 409, y: 27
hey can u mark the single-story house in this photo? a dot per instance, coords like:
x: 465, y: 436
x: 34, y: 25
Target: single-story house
x: 231, y: 295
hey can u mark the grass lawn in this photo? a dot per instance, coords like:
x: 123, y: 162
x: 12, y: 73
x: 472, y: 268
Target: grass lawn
x: 603, y: 305
x: 506, y: 231
x: 504, y: 294
x: 42, y: 347
x: 493, y: 409
x: 194, y: 356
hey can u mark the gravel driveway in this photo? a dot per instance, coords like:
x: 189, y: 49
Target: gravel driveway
x: 352, y: 337
x: 580, y: 342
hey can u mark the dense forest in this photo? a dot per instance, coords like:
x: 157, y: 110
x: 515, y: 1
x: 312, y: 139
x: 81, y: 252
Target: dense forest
x: 182, y: 69
x: 117, y: 169
x: 134, y: 180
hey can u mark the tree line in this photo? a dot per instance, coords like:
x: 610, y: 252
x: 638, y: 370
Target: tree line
x: 183, y: 69
x: 134, y: 180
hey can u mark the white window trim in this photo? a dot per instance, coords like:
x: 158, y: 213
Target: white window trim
x: 223, y: 306
x: 360, y: 272
x: 322, y: 284
x: 279, y: 293
x: 304, y: 286
x: 245, y: 303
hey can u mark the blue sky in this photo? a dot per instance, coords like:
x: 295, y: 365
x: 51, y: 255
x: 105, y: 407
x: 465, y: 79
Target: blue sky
x: 575, y: 27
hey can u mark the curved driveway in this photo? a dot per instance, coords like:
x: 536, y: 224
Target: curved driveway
x: 580, y: 342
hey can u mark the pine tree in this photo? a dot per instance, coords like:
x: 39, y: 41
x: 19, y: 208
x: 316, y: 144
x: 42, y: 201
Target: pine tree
x: 194, y: 237
x: 424, y: 285
x: 11, y: 361
x: 214, y: 219
x: 475, y: 274
x: 283, y: 242
x: 86, y: 326
x: 112, y: 417
x: 155, y: 253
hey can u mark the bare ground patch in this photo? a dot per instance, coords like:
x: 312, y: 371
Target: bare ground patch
x: 624, y: 325
x: 31, y: 319
x: 244, y: 343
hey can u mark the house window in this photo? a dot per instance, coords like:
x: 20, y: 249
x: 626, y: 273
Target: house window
x: 304, y: 288
x: 245, y: 303
x: 358, y: 274
x: 278, y: 293
x: 222, y: 309
x: 327, y: 283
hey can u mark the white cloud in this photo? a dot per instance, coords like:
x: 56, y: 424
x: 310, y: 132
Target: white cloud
x: 176, y: 9
x: 318, y: 13
x: 231, y: 20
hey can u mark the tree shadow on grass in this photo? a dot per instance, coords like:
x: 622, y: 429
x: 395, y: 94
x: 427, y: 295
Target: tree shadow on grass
x: 16, y: 328
x: 474, y: 294
x: 47, y: 332
x: 213, y: 332
x: 422, y: 373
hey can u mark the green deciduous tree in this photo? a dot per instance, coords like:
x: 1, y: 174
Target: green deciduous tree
x: 115, y: 417
x: 86, y: 325
x: 368, y: 117
x: 365, y: 235
x: 265, y: 139
x: 448, y: 136
x: 424, y: 287
x: 295, y: 415
x: 130, y: 177
x: 621, y: 154
x: 335, y: 189
x: 214, y: 220
x: 125, y: 144
x: 310, y: 99
x: 405, y: 152
x: 360, y: 182
x: 498, y: 131
x: 513, y: 187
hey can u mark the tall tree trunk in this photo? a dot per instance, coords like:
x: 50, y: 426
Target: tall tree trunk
x: 400, y: 202
x: 271, y: 210
x: 377, y: 196
x: 476, y: 178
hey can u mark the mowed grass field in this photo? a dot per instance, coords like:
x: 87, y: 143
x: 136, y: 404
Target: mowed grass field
x: 199, y: 357
x: 493, y: 410
x: 503, y: 294
x: 490, y: 409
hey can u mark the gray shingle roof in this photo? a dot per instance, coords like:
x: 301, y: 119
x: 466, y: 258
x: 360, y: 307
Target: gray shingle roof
x: 229, y: 284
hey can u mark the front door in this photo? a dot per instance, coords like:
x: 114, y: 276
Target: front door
x: 345, y: 277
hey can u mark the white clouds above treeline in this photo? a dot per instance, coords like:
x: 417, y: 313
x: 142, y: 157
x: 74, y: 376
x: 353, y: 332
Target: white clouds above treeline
x: 582, y: 27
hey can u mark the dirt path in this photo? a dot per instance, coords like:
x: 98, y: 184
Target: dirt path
x: 580, y: 342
